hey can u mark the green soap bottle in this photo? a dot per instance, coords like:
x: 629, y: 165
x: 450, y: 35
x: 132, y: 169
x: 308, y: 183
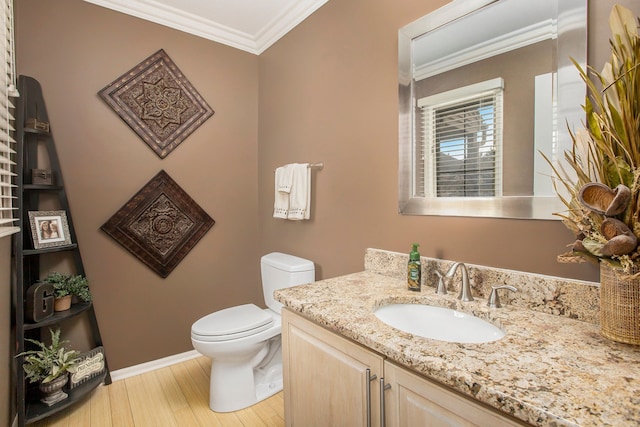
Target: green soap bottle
x: 414, y: 272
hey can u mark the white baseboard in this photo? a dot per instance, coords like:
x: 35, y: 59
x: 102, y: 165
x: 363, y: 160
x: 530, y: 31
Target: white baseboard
x: 142, y: 368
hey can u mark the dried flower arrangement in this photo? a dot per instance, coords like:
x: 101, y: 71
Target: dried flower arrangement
x: 601, y: 189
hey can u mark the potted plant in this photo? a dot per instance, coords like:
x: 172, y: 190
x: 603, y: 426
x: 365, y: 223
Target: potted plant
x: 601, y: 186
x: 65, y: 286
x: 48, y: 366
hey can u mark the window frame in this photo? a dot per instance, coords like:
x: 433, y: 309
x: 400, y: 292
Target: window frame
x: 426, y: 171
x: 8, y: 188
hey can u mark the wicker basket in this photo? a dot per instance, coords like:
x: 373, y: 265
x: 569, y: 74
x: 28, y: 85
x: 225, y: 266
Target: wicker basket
x: 619, y: 305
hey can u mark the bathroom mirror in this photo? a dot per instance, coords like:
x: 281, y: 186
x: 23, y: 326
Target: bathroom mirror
x: 484, y: 87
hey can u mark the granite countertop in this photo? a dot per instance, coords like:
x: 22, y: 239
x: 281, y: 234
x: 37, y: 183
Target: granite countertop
x: 547, y: 370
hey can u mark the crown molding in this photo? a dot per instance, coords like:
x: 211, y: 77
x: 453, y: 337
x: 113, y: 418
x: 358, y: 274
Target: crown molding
x: 515, y: 40
x: 175, y: 18
x: 285, y: 22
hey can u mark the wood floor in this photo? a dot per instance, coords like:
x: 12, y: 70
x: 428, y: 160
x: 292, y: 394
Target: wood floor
x: 177, y: 395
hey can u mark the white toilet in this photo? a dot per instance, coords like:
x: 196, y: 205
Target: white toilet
x: 244, y: 342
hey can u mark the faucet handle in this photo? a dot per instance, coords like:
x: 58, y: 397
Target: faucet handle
x: 494, y: 300
x: 442, y: 288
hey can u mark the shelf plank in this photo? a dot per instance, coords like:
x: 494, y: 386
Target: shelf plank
x: 50, y: 250
x: 37, y: 410
x: 58, y: 316
x: 41, y: 187
x: 36, y: 131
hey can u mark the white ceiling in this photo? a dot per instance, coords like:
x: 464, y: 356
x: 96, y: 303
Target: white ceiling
x: 250, y: 25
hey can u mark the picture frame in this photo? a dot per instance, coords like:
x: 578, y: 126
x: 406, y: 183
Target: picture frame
x: 49, y: 229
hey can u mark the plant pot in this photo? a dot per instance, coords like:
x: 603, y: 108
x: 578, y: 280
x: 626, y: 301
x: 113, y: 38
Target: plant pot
x: 52, y: 391
x: 62, y: 303
x: 619, y: 305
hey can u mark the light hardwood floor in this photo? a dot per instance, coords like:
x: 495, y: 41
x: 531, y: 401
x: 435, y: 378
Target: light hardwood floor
x: 177, y: 395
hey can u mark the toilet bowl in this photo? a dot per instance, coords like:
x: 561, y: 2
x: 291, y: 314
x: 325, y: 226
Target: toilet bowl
x: 244, y: 341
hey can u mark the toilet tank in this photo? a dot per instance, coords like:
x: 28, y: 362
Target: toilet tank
x: 279, y: 271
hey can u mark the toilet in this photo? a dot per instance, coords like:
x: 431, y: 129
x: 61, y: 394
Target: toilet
x: 244, y: 341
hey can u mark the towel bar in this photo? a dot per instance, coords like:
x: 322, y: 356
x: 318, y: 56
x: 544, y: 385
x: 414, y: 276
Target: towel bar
x: 314, y: 165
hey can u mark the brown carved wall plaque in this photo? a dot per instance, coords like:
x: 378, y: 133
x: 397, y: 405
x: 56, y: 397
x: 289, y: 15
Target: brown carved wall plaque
x: 160, y: 224
x: 157, y: 101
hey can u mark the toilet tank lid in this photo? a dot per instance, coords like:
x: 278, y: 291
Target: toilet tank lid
x: 287, y: 262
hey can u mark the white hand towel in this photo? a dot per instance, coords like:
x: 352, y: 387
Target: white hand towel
x: 283, y: 182
x: 284, y: 178
x: 300, y: 195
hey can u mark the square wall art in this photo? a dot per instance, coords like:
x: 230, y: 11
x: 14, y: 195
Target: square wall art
x: 157, y: 101
x: 159, y: 225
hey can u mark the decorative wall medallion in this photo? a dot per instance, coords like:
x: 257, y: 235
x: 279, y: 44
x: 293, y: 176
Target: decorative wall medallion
x: 160, y: 224
x: 157, y: 101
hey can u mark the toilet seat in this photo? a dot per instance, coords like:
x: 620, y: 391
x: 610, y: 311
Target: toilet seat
x: 232, y: 323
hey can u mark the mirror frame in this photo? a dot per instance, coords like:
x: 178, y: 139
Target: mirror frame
x: 571, y: 91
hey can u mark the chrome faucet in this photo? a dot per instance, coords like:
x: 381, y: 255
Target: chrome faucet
x: 465, y: 287
x: 494, y: 301
x: 442, y: 287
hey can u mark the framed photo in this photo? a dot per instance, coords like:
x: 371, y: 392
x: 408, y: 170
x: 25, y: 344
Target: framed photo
x: 49, y: 229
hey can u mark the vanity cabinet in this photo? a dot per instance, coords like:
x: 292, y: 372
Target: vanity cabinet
x: 415, y: 401
x: 332, y: 381
x: 328, y: 380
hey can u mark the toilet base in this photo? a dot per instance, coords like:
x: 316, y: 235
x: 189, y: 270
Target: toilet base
x: 268, y: 383
x: 263, y: 392
x: 236, y: 386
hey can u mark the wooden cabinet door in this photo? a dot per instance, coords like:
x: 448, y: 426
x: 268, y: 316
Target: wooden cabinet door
x: 415, y: 401
x: 326, y: 377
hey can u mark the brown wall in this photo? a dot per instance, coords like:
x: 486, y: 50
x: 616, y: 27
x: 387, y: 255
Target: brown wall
x: 328, y: 92
x: 74, y: 49
x: 325, y: 92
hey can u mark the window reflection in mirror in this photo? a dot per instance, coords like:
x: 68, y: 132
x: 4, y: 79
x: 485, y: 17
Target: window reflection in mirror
x: 484, y: 86
x: 459, y: 148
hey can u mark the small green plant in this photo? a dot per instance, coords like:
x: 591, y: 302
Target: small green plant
x: 67, y: 284
x: 48, y: 362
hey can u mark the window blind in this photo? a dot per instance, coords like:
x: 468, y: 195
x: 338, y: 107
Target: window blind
x: 462, y: 150
x: 8, y: 212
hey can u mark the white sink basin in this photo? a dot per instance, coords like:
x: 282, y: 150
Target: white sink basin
x: 438, y: 323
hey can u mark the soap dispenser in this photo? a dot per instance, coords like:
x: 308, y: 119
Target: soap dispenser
x: 414, y: 272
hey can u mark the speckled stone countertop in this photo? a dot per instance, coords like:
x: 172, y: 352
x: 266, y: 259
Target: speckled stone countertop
x: 549, y: 370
